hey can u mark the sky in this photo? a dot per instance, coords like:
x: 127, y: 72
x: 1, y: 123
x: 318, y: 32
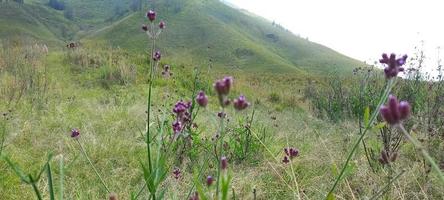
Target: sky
x: 360, y: 29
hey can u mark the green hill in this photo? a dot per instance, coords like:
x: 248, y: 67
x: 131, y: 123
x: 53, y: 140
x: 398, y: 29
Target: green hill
x: 198, y: 31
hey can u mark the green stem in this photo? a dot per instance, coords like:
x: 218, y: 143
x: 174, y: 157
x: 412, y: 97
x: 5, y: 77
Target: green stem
x: 221, y: 149
x: 3, y: 132
x: 424, y: 152
x: 50, y: 184
x: 367, y: 127
x: 36, y: 190
x: 92, y: 165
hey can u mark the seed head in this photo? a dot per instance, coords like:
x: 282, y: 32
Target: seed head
x: 157, y: 56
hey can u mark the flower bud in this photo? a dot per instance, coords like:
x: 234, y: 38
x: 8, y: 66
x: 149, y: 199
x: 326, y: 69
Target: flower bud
x: 202, y: 99
x: 157, y: 56
x: 112, y: 196
x: 162, y: 25
x: 223, y: 163
x: 393, y: 106
x: 145, y: 27
x: 210, y: 180
x: 151, y: 15
x: 404, y: 109
x: 387, y: 115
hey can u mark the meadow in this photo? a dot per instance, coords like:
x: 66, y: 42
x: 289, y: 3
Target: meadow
x: 99, y: 122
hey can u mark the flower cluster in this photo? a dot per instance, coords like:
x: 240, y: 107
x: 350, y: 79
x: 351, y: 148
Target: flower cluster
x: 222, y: 88
x: 183, y: 116
x: 290, y: 153
x: 241, y: 103
x: 176, y: 173
x: 395, y: 111
x: 394, y: 65
x: 151, y: 15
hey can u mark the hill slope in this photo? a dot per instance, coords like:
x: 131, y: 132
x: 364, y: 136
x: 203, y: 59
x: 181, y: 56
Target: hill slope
x: 197, y: 31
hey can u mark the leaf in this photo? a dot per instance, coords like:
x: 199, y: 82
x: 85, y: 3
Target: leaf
x: 50, y: 185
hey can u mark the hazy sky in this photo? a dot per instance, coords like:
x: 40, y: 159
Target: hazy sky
x: 357, y: 28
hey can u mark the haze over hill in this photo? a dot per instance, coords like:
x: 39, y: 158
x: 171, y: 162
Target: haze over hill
x: 198, y: 32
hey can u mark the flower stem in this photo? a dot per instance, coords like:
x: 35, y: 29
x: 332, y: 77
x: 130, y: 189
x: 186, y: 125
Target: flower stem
x: 92, y: 165
x: 150, y: 88
x: 367, y: 127
x: 424, y: 152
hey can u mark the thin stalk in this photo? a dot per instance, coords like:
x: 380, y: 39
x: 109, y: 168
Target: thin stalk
x: 3, y: 132
x: 92, y: 165
x: 367, y: 127
x: 424, y: 152
x: 34, y: 186
x: 221, y: 149
x: 148, y: 148
x: 140, y: 191
x: 387, y: 186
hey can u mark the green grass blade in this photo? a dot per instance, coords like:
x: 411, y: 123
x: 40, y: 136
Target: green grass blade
x: 50, y: 183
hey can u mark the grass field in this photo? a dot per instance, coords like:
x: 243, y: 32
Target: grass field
x: 302, y: 95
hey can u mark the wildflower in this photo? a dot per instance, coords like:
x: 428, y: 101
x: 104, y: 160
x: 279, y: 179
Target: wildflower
x: 151, y: 15
x: 162, y: 25
x: 223, y: 163
x: 75, y: 133
x: 157, y: 56
x: 177, y: 127
x: 241, y: 103
x: 183, y: 117
x: 202, y: 99
x: 290, y: 153
x: 223, y: 86
x: 144, y: 27
x: 176, y: 173
x: 221, y: 114
x: 210, y: 180
x: 394, y: 65
x: 395, y: 111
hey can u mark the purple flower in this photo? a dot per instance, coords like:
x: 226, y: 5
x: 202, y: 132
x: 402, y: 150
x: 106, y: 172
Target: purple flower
x: 151, y: 15
x: 394, y: 65
x: 145, y: 27
x: 162, y: 25
x: 241, y: 103
x: 223, y: 163
x: 210, y: 180
x: 176, y: 173
x: 157, y: 56
x: 221, y: 114
x: 395, y: 111
x: 75, y: 133
x: 177, y: 127
x: 202, y: 99
x: 290, y: 153
x: 223, y: 86
x: 181, y: 107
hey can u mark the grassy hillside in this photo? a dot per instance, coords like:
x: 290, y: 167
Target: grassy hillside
x: 35, y: 21
x: 198, y: 31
